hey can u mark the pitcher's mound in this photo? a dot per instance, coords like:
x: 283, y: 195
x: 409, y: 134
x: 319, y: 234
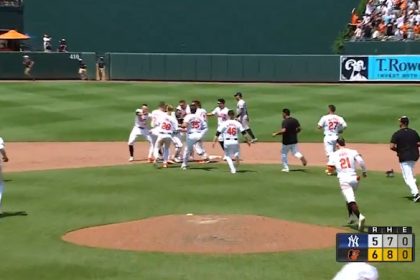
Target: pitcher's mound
x: 224, y: 234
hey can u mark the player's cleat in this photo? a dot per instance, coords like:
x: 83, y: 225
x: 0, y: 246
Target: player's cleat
x: 233, y: 171
x: 171, y: 161
x: 131, y: 159
x: 329, y: 173
x: 352, y: 219
x: 224, y: 158
x: 206, y: 160
x: 285, y: 170
x: 150, y: 160
x: 304, y: 161
x: 361, y: 225
x: 165, y: 165
x: 416, y: 198
x: 177, y: 160
x: 254, y: 140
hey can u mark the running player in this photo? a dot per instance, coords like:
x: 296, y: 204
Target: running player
x: 230, y: 130
x: 141, y: 128
x: 343, y: 160
x: 332, y: 125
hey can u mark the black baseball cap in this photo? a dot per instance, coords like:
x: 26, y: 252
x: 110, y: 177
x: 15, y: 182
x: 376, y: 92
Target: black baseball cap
x: 238, y: 94
x: 341, y: 141
x: 221, y: 100
x: 404, y: 119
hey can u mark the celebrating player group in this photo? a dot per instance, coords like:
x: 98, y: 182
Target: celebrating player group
x: 185, y: 127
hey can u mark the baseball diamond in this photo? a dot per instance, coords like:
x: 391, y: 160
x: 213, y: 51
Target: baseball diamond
x: 68, y: 179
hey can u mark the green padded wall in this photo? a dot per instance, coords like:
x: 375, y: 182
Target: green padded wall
x: 241, y: 68
x: 366, y: 48
x: 47, y: 65
x: 190, y: 26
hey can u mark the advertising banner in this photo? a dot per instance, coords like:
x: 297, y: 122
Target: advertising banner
x: 395, y: 68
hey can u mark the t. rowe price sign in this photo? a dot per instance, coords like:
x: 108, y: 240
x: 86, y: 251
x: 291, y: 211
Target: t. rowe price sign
x: 380, y: 68
x: 394, y: 68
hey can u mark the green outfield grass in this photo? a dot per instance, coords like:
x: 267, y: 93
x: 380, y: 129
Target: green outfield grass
x: 72, y: 111
x: 63, y: 200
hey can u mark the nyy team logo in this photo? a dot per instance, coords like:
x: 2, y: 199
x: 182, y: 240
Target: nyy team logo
x: 353, y: 241
x: 354, y: 68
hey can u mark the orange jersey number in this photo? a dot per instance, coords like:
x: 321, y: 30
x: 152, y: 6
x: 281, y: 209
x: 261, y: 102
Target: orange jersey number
x: 195, y: 124
x: 332, y: 125
x: 345, y: 163
x: 166, y: 126
x: 232, y: 131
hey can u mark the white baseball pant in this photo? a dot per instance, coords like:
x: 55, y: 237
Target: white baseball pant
x: 407, y: 168
x: 244, y: 120
x: 193, y: 138
x: 231, y: 151
x: 163, y: 141
x: 199, y: 146
x: 177, y: 140
x: 330, y: 144
x: 348, y: 186
x: 285, y: 149
x: 136, y: 132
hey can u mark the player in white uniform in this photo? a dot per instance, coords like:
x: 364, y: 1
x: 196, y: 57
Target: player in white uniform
x: 202, y: 113
x: 242, y: 115
x: 166, y: 128
x: 230, y: 131
x: 141, y: 128
x: 156, y: 117
x: 221, y: 112
x: 332, y: 125
x: 5, y: 159
x: 357, y: 271
x: 194, y: 126
x: 343, y: 161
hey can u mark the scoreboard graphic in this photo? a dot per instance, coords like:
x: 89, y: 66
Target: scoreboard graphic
x: 380, y: 244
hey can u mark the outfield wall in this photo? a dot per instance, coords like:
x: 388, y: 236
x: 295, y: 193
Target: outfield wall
x: 47, y: 66
x: 224, y: 68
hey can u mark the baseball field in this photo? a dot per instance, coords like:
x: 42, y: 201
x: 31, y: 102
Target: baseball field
x: 43, y: 201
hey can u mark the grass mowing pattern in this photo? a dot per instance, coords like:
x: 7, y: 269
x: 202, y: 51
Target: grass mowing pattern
x: 63, y: 111
x: 63, y: 200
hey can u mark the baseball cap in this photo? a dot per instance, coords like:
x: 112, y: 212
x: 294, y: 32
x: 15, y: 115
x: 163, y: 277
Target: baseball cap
x: 238, y: 94
x: 220, y: 100
x: 404, y: 119
x: 341, y: 141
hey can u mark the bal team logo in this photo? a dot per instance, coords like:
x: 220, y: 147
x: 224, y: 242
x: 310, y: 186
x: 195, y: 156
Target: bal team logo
x: 354, y: 68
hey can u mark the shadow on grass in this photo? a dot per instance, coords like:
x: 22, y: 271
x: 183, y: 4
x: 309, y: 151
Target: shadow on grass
x: 205, y: 168
x: 298, y: 170
x: 409, y: 197
x: 12, y: 214
x: 246, y: 171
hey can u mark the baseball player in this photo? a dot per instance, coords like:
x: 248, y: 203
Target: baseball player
x: 177, y: 136
x: 184, y: 108
x: 194, y: 126
x: 230, y: 130
x: 357, y: 271
x: 406, y: 142
x: 242, y: 115
x: 332, y: 125
x: 221, y: 112
x: 167, y: 126
x: 290, y: 128
x: 5, y: 159
x: 343, y: 160
x: 156, y: 117
x: 202, y: 113
x: 141, y: 128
